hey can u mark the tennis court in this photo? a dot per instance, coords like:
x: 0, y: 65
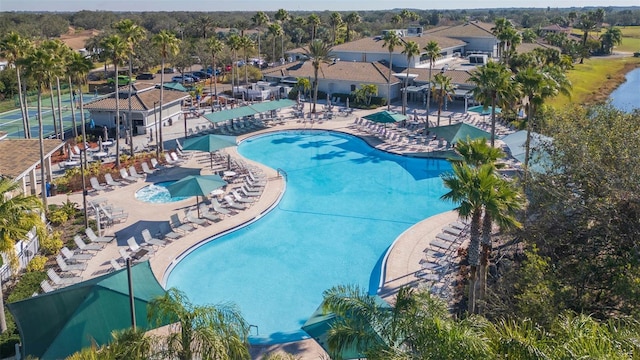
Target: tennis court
x: 11, y: 121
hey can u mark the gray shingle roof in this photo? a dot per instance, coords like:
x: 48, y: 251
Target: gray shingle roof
x: 366, y: 72
x: 141, y: 101
x: 472, y: 29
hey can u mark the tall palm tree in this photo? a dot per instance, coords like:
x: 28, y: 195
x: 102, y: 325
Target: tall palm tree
x: 432, y: 50
x: 55, y: 47
x: 282, y: 16
x: 587, y: 22
x: 276, y: 31
x: 442, y: 89
x: 313, y: 21
x: 38, y: 64
x: 234, y: 44
x: 204, y: 23
x: 511, y: 39
x: 78, y: 69
x: 611, y: 37
x: 14, y: 47
x: 351, y: 20
x: 200, y: 331
x: 260, y: 19
x: 167, y: 43
x: 501, y: 25
x: 335, y: 20
x: 492, y: 82
x: 318, y: 53
x: 215, y: 46
x: 20, y: 214
x: 246, y: 44
x: 132, y: 34
x: 391, y: 40
x: 411, y: 49
x: 117, y: 50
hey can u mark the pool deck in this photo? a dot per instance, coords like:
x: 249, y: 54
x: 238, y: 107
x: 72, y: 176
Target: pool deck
x: 403, y: 261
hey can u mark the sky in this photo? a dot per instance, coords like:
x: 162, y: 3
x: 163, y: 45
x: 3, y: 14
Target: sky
x: 291, y: 5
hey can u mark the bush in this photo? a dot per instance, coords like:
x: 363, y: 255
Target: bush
x: 52, y: 243
x: 37, y: 263
x: 29, y: 283
x: 58, y: 216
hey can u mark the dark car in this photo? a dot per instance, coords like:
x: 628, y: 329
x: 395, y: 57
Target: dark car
x: 145, y: 76
x: 201, y: 74
x: 168, y: 70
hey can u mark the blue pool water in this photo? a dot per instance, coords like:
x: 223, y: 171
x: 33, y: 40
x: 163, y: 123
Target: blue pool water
x: 344, y: 205
x: 157, y: 193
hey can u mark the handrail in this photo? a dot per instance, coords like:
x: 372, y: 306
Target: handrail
x: 281, y: 172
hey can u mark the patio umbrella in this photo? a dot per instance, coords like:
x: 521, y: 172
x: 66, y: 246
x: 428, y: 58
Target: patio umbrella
x: 196, y: 185
x: 460, y: 131
x: 59, y: 323
x: 385, y: 117
x: 482, y: 111
x: 209, y: 143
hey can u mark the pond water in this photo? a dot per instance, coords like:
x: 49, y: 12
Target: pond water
x: 627, y: 96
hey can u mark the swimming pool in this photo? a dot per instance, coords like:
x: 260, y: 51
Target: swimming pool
x: 344, y: 205
x: 157, y: 193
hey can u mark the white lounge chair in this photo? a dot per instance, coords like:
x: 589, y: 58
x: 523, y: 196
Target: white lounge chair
x: 98, y: 239
x: 115, y: 266
x: 156, y: 165
x: 233, y: 204
x: 188, y: 216
x: 73, y: 257
x: 176, y: 158
x: 46, y: 286
x: 177, y: 224
x: 126, y: 177
x: 148, y: 239
x: 135, y: 248
x: 134, y: 173
x: 170, y: 160
x: 61, y: 281
x: 247, y: 192
x: 442, y: 244
x: 69, y: 267
x: 113, y: 183
x: 217, y: 207
x: 206, y: 214
x: 146, y: 169
x: 239, y: 198
x: 447, y: 237
x: 96, y: 185
x: 87, y: 247
x: 113, y: 217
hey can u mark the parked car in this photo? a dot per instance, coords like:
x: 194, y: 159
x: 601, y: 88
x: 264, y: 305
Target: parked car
x: 201, y: 74
x: 210, y: 71
x: 194, y: 77
x: 183, y: 79
x: 167, y: 70
x: 145, y: 76
x: 122, y: 80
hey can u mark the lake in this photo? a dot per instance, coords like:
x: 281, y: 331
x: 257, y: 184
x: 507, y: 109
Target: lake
x: 627, y: 96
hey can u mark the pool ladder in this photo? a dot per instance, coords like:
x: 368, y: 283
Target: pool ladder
x: 256, y: 327
x: 282, y: 173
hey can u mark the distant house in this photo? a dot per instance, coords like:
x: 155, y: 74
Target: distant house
x: 145, y: 105
x: 554, y: 29
x: 477, y: 35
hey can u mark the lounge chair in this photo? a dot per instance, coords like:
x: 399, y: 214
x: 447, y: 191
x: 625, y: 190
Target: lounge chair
x: 447, y: 237
x: 70, y: 267
x: 179, y: 146
x: 183, y: 155
x: 428, y: 276
x: 253, y: 184
x: 239, y: 198
x: 61, y: 281
x: 188, y: 216
x: 126, y: 177
x: 169, y: 160
x: 113, y: 183
x: 134, y: 173
x: 98, y: 239
x: 206, y: 214
x: 233, y: 204
x: 73, y: 257
x: 156, y: 165
x: 115, y: 266
x: 442, y: 244
x: 46, y: 286
x: 148, y: 239
x: 452, y: 230
x: 137, y: 249
x: 146, y: 169
x: 247, y: 192
x: 176, y: 158
x: 177, y: 224
x: 217, y: 207
x: 126, y: 255
x: 87, y: 247
x: 113, y: 217
x: 96, y: 185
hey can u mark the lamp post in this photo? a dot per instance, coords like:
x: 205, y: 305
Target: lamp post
x: 155, y: 125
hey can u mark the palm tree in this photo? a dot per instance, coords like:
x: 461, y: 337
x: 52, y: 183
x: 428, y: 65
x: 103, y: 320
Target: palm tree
x: 351, y: 20
x: 200, y: 331
x: 391, y: 40
x: 215, y: 46
x: 501, y: 25
x: 587, y: 22
x: 610, y: 38
x: 260, y: 19
x: 55, y: 47
x: 20, y: 214
x: 276, y: 31
x: 511, y: 39
x: 234, y: 44
x: 132, y: 34
x: 303, y: 85
x: 14, y: 47
x: 133, y: 344
x: 318, y: 53
x: 432, y: 50
x: 313, y: 21
x: 492, y: 82
x: 246, y: 44
x: 411, y: 49
x: 442, y: 88
x: 167, y: 43
x: 204, y: 23
x: 335, y: 20
x: 38, y: 64
x: 282, y: 16
x: 117, y: 50
x: 78, y: 68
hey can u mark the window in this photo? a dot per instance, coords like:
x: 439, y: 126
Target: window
x: 353, y: 87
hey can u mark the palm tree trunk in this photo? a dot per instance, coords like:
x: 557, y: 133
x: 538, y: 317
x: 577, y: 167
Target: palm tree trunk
x: 59, y: 108
x: 53, y: 112
x: 527, y: 144
x: 426, y: 126
x: 389, y: 82
x: 43, y: 181
x: 246, y: 68
x: 440, y: 108
x: 83, y: 160
x: 484, y: 262
x: 159, y: 139
x: 473, y: 256
x: 23, y: 99
x: 23, y: 108
x: 404, y: 94
x: 215, y: 79
x: 233, y: 90
x: 493, y: 120
x: 129, y: 119
x: 117, y: 121
x: 73, y: 108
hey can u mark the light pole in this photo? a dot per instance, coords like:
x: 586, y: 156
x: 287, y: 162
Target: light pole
x: 155, y: 125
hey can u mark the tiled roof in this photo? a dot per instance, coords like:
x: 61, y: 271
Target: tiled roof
x: 366, y: 72
x: 473, y: 29
x: 20, y: 155
x: 458, y: 77
x: 528, y: 47
x: 375, y: 44
x: 141, y: 101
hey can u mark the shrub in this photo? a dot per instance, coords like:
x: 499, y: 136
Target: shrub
x: 29, y: 283
x: 58, y: 216
x: 37, y: 263
x: 52, y: 243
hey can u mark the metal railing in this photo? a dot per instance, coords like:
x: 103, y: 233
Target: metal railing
x: 26, y: 251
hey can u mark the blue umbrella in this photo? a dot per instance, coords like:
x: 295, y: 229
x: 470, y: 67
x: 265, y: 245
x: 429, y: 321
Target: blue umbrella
x: 196, y: 185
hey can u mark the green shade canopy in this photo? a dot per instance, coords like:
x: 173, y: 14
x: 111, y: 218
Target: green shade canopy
x: 460, y: 131
x: 480, y: 109
x: 196, y: 185
x: 385, y: 117
x: 209, y: 143
x: 538, y: 158
x: 224, y: 115
x: 55, y: 325
x: 175, y: 86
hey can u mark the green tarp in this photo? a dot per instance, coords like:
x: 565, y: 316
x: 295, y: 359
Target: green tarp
x: 272, y: 105
x: 55, y: 325
x: 460, y: 131
x: 242, y: 111
x: 385, y: 117
x: 175, y: 86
